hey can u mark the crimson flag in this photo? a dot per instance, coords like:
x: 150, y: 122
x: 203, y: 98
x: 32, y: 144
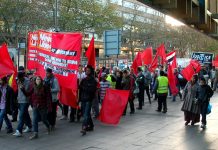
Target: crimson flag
x: 68, y: 97
x: 216, y: 58
x: 6, y: 64
x: 147, y: 56
x: 154, y: 64
x: 113, y: 106
x: 171, y: 59
x: 162, y: 53
x: 196, y: 65
x: 137, y: 62
x: 193, y: 68
x: 172, y: 80
x: 90, y: 53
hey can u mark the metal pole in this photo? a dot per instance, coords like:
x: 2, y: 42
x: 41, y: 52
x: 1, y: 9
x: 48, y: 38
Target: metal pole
x: 56, y: 15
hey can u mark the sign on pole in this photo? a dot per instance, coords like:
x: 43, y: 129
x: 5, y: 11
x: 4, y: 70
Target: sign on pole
x: 202, y: 57
x: 112, y: 42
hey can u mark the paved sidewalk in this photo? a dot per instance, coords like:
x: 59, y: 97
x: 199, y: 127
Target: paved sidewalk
x: 145, y: 130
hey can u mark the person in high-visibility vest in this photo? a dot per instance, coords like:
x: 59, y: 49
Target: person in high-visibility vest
x: 161, y: 86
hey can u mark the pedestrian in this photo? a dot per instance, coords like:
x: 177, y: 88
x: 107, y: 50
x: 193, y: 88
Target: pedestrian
x: 7, y: 100
x: 176, y: 74
x: 104, y: 85
x: 140, y: 82
x: 95, y: 103
x: 87, y: 89
x: 212, y: 76
x: 161, y: 87
x: 128, y: 82
x: 190, y: 108
x: 154, y: 79
x: 23, y: 105
x: 119, y: 76
x: 147, y: 81
x: 204, y: 93
x: 41, y: 100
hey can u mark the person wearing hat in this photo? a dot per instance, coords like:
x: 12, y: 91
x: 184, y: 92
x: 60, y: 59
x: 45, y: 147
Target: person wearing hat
x: 52, y: 82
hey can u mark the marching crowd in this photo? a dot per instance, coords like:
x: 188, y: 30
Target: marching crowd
x: 42, y: 96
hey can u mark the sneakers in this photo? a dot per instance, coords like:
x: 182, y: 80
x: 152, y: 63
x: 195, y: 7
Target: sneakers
x: 17, y: 134
x: 27, y: 130
x: 34, y: 136
x: 9, y: 131
x: 203, y: 126
x: 64, y: 118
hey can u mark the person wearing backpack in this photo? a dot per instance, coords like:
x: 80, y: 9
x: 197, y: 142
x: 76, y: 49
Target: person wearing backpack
x: 147, y: 82
x: 203, y: 95
x: 52, y: 83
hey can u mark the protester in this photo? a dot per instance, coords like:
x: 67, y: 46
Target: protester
x: 140, y: 82
x: 190, y: 107
x: 23, y: 105
x: 161, y: 87
x: 119, y: 76
x: 204, y: 93
x: 6, y: 103
x: 52, y: 83
x: 95, y: 103
x: 128, y: 84
x: 204, y: 73
x: 212, y: 76
x: 176, y: 74
x: 147, y: 81
x: 41, y: 102
x: 87, y: 93
x: 104, y: 85
x: 153, y: 81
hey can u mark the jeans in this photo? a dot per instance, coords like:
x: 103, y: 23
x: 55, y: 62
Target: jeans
x: 3, y: 116
x: 162, y: 101
x: 87, y: 119
x: 204, y: 107
x: 180, y: 95
x: 95, y: 106
x: 24, y: 117
x: 39, y: 113
x: 53, y: 114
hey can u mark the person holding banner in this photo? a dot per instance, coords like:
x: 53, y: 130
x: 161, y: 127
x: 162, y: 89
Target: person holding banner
x: 88, y: 87
x: 40, y: 96
x: 52, y: 82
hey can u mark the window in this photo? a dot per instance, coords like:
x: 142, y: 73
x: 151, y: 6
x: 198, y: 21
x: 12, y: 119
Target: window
x: 128, y: 5
x: 118, y: 2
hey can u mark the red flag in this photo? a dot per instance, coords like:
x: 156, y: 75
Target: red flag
x: 6, y: 64
x: 171, y: 59
x: 154, y: 64
x: 147, y: 56
x: 113, y: 106
x: 193, y: 68
x: 162, y: 53
x: 12, y: 82
x: 137, y: 62
x: 90, y: 53
x: 68, y: 97
x: 172, y: 80
x: 216, y: 58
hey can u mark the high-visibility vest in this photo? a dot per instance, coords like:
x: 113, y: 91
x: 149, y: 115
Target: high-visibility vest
x: 162, y: 85
x: 112, y: 84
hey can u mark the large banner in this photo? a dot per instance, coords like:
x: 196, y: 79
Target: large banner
x: 203, y: 58
x: 58, y: 51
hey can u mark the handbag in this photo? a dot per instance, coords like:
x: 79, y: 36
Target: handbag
x: 209, y: 108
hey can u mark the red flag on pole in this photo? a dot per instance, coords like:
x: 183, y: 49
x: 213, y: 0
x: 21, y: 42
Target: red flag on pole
x: 137, y: 62
x: 154, y: 64
x: 162, y: 53
x: 90, y: 53
x: 68, y: 97
x: 193, y: 68
x: 172, y: 80
x: 171, y: 59
x: 113, y: 106
x: 147, y: 56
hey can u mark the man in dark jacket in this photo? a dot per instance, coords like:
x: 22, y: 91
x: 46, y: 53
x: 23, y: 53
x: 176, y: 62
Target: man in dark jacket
x: 204, y: 93
x: 140, y: 83
x: 87, y: 89
x: 6, y: 103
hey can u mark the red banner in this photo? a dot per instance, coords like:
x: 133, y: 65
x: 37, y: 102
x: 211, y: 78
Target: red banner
x: 113, y: 106
x: 58, y: 51
x: 193, y: 68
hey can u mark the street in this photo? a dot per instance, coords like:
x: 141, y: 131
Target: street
x: 145, y: 130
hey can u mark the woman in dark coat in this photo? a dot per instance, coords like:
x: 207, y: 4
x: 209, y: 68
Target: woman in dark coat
x: 190, y: 107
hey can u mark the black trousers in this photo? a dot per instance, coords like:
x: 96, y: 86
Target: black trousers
x: 148, y: 93
x: 204, y: 107
x: 53, y: 114
x: 72, y: 112
x: 141, y: 97
x: 162, y: 102
x: 131, y: 105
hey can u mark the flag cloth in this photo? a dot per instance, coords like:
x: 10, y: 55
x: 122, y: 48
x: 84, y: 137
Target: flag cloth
x: 90, y: 53
x: 194, y: 67
x: 154, y: 64
x: 113, y: 106
x: 12, y: 81
x: 147, y: 56
x: 68, y: 97
x: 162, y: 53
x: 6, y: 64
x: 172, y: 80
x: 171, y: 59
x: 137, y: 62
